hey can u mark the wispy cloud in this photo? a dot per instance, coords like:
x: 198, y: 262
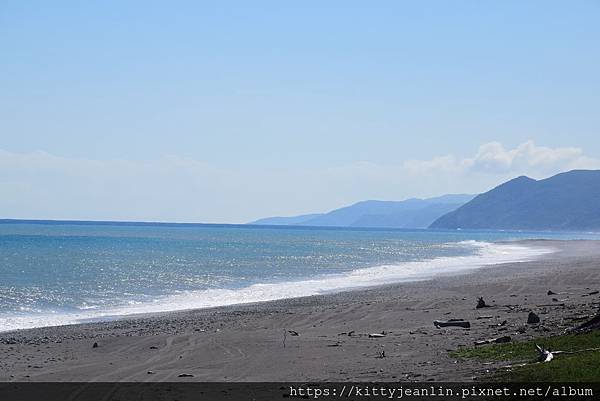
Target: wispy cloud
x: 172, y: 188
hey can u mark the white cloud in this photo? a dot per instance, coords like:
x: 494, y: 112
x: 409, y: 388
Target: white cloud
x: 527, y: 157
x: 41, y: 185
x: 494, y: 158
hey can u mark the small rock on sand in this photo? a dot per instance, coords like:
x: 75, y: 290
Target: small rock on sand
x: 532, y: 318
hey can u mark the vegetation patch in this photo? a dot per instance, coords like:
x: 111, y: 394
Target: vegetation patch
x: 579, y: 366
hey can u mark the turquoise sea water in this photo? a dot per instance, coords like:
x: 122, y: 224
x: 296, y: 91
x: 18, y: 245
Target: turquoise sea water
x: 67, y: 273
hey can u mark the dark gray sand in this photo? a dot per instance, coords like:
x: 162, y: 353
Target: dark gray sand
x: 246, y: 343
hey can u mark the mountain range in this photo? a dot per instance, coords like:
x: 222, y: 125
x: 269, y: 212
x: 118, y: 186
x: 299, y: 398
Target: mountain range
x: 410, y: 213
x: 566, y: 201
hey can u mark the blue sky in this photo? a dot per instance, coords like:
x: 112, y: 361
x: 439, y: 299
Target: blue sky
x: 229, y: 111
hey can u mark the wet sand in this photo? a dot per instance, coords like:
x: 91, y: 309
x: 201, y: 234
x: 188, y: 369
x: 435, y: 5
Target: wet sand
x: 247, y: 342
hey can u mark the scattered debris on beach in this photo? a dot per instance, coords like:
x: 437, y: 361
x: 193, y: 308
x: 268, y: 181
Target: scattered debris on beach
x: 498, y: 340
x: 452, y: 323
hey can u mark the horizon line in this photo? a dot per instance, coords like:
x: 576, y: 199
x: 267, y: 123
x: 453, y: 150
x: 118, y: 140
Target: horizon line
x: 51, y: 222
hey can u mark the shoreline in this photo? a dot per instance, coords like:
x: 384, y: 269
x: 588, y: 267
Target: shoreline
x: 486, y: 254
x: 246, y: 342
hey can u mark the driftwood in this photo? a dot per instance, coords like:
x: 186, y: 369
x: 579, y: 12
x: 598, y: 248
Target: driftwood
x: 592, y: 324
x: 550, y: 292
x: 544, y: 354
x: 376, y: 335
x: 574, y: 318
x: 452, y: 323
x: 499, y: 340
x: 293, y: 333
x: 481, y: 303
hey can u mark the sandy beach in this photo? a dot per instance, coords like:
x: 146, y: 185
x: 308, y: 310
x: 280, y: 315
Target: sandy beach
x: 247, y: 342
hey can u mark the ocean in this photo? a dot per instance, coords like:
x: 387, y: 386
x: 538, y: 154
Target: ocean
x: 61, y: 273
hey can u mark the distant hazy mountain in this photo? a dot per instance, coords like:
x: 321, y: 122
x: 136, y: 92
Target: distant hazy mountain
x: 567, y: 201
x: 286, y: 221
x: 414, y: 218
x: 411, y: 213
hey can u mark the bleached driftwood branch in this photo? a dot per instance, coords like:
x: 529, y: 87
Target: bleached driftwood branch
x: 546, y: 356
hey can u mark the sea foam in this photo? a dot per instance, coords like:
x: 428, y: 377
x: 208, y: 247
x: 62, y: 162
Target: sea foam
x: 485, y: 254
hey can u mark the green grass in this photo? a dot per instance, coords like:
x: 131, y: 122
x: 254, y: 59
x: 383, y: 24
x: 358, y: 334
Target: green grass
x: 564, y: 368
x: 575, y: 367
